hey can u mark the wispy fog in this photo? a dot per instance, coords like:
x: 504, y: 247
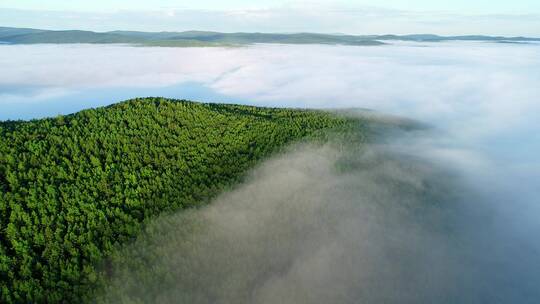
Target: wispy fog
x: 450, y: 215
x: 302, y: 230
x: 368, y: 224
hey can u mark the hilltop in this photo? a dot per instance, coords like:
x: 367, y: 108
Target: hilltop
x: 75, y: 188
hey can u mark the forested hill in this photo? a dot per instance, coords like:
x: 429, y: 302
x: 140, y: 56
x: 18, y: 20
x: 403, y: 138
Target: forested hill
x: 73, y: 188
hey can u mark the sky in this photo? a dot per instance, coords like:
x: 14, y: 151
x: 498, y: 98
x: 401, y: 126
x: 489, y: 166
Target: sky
x: 463, y: 6
x: 511, y: 18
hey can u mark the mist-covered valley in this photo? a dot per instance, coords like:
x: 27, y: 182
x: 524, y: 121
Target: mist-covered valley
x: 445, y: 214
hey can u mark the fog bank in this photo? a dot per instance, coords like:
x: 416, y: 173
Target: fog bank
x: 355, y: 224
x: 300, y: 231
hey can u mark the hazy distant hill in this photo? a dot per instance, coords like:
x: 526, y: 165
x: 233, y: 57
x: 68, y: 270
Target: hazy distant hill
x: 67, y: 37
x: 205, y: 38
x: 188, y: 38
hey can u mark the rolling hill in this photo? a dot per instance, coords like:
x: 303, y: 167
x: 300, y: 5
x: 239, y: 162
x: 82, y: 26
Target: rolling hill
x: 75, y: 188
x: 206, y: 38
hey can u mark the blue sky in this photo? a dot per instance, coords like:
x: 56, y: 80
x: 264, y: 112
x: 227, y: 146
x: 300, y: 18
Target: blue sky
x: 518, y: 17
x: 463, y: 6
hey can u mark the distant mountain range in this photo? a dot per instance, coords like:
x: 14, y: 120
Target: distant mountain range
x: 11, y: 35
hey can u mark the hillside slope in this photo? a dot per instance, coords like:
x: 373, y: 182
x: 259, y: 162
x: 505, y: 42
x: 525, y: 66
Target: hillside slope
x: 74, y: 188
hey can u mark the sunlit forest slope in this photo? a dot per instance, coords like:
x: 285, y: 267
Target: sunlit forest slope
x: 74, y: 188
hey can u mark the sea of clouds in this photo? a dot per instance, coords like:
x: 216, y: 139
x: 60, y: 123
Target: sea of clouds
x: 491, y: 87
x: 481, y: 100
x: 483, y: 95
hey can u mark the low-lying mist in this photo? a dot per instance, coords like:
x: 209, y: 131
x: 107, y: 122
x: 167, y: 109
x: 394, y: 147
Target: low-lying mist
x: 447, y: 215
x: 337, y: 223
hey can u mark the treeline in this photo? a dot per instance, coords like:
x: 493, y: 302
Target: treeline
x: 74, y: 188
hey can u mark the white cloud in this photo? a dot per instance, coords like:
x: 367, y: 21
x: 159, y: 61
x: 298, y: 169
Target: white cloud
x: 472, y: 86
x: 87, y: 66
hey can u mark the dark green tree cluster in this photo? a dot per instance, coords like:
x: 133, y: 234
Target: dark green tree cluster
x: 74, y: 188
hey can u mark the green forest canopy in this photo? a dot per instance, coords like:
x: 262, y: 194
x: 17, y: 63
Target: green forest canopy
x: 74, y: 188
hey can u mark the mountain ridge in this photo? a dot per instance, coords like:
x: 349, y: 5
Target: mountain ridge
x: 11, y: 35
